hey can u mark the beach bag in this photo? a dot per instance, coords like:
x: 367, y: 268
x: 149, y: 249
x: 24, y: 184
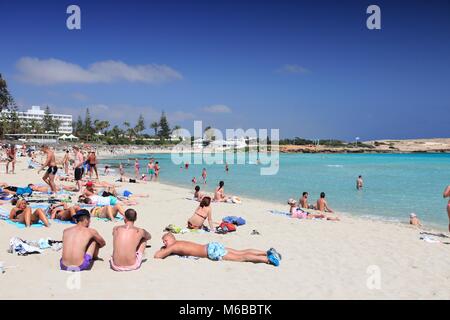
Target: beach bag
x: 227, y: 227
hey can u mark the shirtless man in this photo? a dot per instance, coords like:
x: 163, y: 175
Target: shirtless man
x: 359, y: 183
x: 50, y: 162
x: 11, y: 158
x: 204, y: 175
x: 304, y: 201
x: 198, y: 195
x: 81, y: 244
x: 92, y: 160
x: 447, y: 195
x: 129, y: 243
x: 202, y: 213
x: 215, y: 251
x: 322, y: 204
x: 78, y: 167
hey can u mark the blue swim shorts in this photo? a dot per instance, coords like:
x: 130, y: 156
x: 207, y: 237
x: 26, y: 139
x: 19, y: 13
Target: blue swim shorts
x: 216, y: 251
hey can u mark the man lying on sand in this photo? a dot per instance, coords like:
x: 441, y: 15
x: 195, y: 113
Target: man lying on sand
x: 22, y: 213
x: 129, y: 244
x: 322, y: 204
x: 28, y: 190
x: 296, y: 212
x: 215, y: 251
x: 81, y: 244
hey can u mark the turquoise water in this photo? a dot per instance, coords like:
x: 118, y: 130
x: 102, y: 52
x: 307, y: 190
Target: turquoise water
x: 394, y: 184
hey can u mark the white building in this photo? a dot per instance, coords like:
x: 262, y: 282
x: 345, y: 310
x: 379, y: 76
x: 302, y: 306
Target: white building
x: 36, y: 113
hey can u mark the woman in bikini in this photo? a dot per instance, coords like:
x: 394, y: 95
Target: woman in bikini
x: 202, y: 213
x: 22, y: 213
x: 62, y: 211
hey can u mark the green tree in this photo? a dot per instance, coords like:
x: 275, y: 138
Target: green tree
x: 88, y: 130
x: 101, y: 125
x: 140, y: 126
x: 155, y: 126
x: 79, y: 128
x: 164, y: 131
x: 56, y: 123
x: 6, y: 100
x: 116, y: 132
x: 47, y: 121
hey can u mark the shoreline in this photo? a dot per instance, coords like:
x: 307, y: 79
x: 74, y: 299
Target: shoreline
x: 431, y: 226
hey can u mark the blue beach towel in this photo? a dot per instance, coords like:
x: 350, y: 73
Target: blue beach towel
x: 22, y: 225
x: 63, y: 221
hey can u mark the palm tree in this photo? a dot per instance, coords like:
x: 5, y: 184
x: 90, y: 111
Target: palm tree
x: 155, y: 126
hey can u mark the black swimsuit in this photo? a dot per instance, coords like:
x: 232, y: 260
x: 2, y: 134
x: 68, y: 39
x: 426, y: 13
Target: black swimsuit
x: 52, y: 170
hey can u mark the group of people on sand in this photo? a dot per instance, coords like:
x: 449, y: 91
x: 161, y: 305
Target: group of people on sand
x: 296, y: 209
x: 81, y: 246
x: 219, y: 194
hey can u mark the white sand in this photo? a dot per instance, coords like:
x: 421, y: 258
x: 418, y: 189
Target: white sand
x: 321, y: 259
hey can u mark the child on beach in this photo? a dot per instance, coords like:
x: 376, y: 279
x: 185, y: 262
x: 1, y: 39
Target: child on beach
x: 413, y: 220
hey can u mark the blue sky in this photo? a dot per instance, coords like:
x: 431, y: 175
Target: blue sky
x: 310, y: 68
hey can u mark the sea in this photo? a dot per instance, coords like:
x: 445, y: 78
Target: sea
x: 395, y: 185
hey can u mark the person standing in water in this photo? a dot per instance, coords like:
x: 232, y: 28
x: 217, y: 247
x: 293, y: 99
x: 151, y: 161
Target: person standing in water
x: 136, y: 168
x: 359, y: 183
x: 204, y: 175
x: 226, y: 167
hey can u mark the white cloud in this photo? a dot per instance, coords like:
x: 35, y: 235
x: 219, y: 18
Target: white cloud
x: 54, y: 71
x: 292, y: 69
x: 218, y: 108
x: 180, y: 116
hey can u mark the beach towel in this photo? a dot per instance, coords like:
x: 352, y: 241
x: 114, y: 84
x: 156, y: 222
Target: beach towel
x: 178, y: 230
x: 239, y: 221
x: 19, y: 246
x: 22, y: 225
x: 284, y: 213
x: 119, y: 218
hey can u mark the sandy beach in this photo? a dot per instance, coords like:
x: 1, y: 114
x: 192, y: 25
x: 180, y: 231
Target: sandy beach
x: 355, y: 258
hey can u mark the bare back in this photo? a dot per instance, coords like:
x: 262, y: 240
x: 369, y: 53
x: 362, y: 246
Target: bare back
x: 187, y: 248
x: 76, y: 240
x: 126, y: 240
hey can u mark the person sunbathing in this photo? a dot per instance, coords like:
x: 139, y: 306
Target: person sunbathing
x: 107, y: 212
x: 297, y: 212
x: 413, y: 220
x: 104, y: 201
x: 129, y: 243
x: 322, y: 204
x: 202, y: 213
x: 198, y: 195
x: 219, y: 194
x: 81, y: 244
x: 215, y: 251
x: 22, y: 213
x: 62, y: 211
x: 20, y: 191
x: 46, y: 189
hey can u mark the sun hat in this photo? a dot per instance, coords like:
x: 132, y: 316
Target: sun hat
x: 292, y: 201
